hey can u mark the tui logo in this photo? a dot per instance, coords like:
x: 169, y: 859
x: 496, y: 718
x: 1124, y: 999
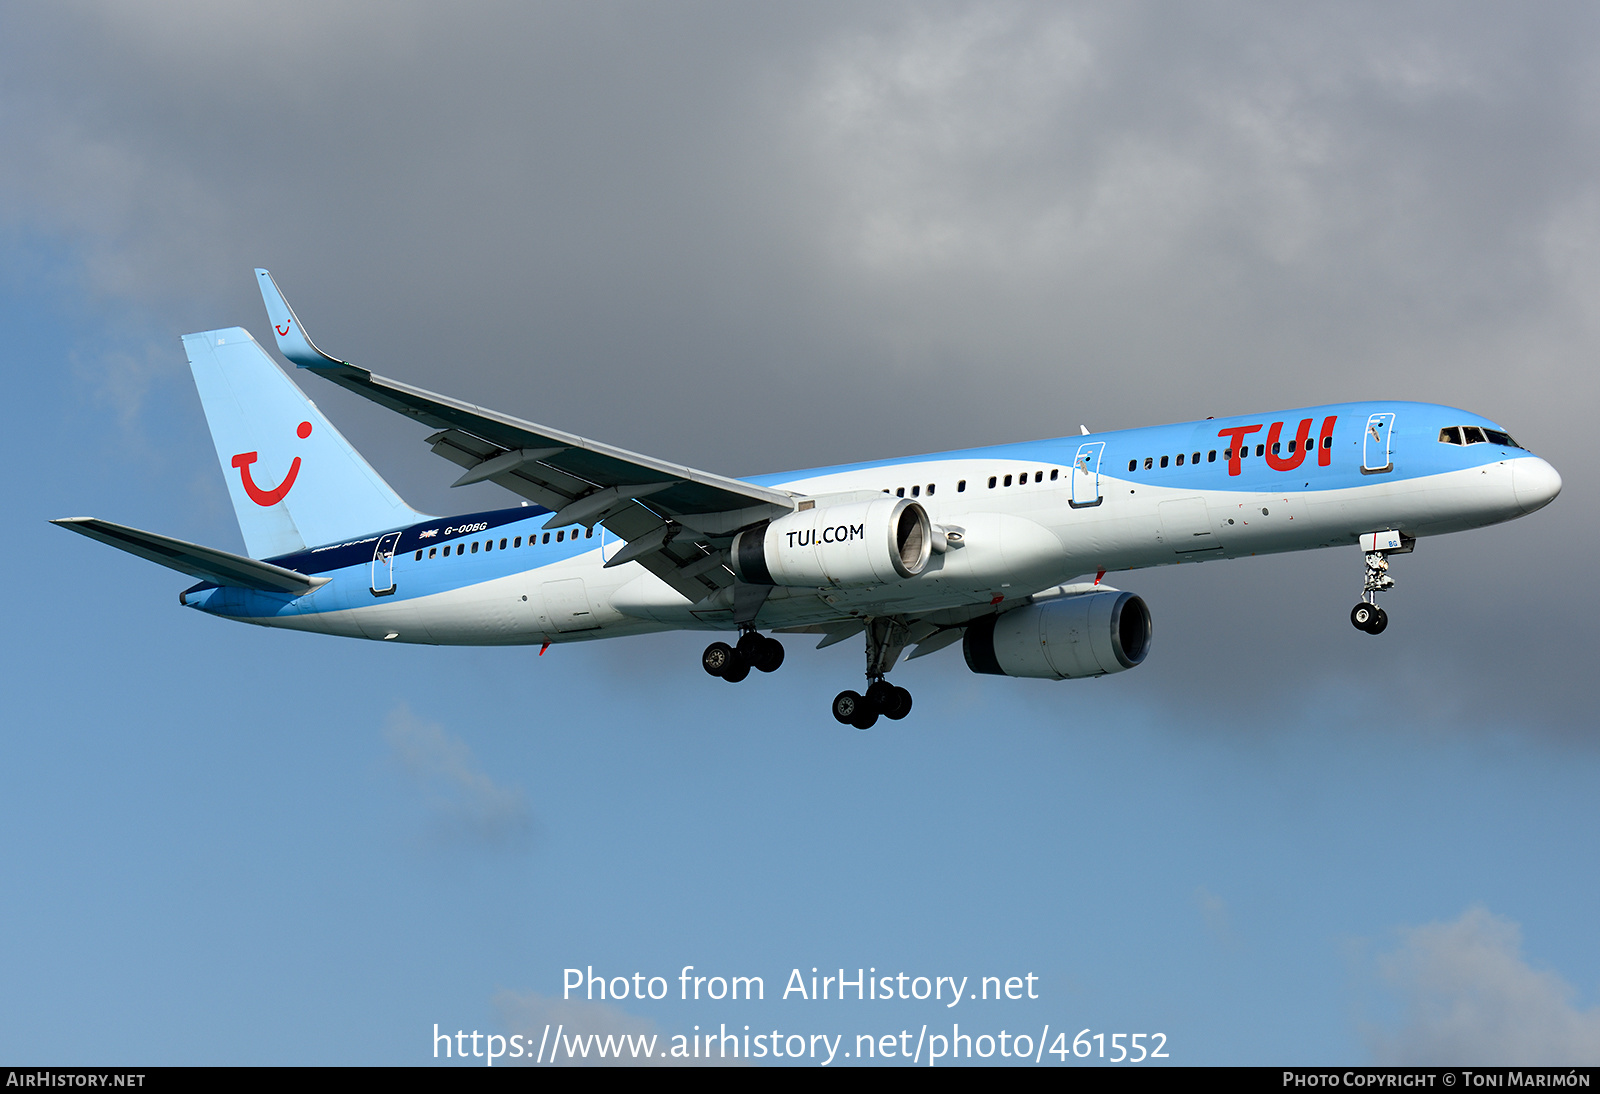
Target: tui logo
x: 270, y: 497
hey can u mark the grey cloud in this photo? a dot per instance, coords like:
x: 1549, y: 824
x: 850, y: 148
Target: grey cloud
x: 1471, y: 998
x: 465, y: 804
x: 798, y: 236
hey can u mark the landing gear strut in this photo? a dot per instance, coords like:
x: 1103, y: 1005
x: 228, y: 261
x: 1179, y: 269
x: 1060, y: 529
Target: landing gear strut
x: 885, y: 639
x: 733, y: 663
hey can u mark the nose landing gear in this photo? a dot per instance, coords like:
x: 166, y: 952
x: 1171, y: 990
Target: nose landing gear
x: 1377, y: 547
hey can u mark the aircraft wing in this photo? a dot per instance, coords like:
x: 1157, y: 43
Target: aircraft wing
x: 206, y: 563
x: 678, y: 521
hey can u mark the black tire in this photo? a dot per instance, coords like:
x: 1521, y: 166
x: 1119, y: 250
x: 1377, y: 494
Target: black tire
x: 866, y: 719
x: 738, y: 668
x: 749, y: 646
x: 1362, y: 615
x: 770, y: 656
x: 902, y: 705
x: 846, y: 706
x: 880, y: 696
x: 1379, y: 622
x: 717, y: 657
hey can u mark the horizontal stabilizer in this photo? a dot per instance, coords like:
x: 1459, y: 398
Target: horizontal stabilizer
x: 206, y: 563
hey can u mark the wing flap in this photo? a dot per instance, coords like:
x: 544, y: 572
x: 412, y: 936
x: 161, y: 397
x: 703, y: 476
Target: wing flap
x: 206, y: 563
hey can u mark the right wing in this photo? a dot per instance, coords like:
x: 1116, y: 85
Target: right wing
x: 678, y: 522
x: 206, y: 563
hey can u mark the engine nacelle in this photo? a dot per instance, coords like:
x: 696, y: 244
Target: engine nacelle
x: 852, y: 544
x: 1089, y: 634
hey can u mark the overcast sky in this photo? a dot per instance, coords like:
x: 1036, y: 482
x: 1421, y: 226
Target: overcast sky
x: 748, y: 238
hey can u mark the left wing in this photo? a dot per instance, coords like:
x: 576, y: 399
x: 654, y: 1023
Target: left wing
x: 677, y: 521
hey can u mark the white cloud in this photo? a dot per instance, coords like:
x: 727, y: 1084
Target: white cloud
x: 1469, y: 997
x: 539, y: 1018
x: 465, y: 803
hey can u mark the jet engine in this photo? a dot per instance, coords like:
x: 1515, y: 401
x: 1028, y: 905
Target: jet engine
x: 1087, y: 634
x: 851, y: 544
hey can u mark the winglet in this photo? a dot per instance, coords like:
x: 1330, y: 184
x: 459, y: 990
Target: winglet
x: 293, y: 342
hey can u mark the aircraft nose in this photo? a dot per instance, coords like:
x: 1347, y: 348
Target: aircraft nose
x: 1535, y: 482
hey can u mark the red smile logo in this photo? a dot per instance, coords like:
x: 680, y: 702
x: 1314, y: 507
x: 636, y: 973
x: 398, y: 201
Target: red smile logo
x: 283, y: 331
x: 270, y: 497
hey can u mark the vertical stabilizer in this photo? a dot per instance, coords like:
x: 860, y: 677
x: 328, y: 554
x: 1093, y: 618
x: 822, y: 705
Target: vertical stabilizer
x: 294, y: 480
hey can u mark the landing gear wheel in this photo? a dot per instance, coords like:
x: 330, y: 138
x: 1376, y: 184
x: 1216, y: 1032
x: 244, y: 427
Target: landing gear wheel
x: 771, y: 655
x: 901, y: 706
x: 760, y: 651
x: 1363, y: 615
x: 717, y: 658
x: 847, y: 705
x: 1379, y: 621
x: 880, y: 696
x: 738, y: 668
x: 866, y: 718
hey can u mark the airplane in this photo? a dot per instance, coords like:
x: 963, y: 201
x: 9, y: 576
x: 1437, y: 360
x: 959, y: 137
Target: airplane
x: 980, y: 546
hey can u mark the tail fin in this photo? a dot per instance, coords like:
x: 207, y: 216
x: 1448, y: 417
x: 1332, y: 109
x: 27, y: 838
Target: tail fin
x: 294, y: 480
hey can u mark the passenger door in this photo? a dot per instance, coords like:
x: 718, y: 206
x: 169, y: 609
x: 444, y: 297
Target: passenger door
x: 383, y: 564
x: 1375, y: 457
x: 1086, y: 475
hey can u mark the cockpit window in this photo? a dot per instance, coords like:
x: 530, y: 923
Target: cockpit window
x: 1471, y: 434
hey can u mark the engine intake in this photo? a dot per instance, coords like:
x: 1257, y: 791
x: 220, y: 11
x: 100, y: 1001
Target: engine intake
x: 1090, y: 634
x: 852, y: 544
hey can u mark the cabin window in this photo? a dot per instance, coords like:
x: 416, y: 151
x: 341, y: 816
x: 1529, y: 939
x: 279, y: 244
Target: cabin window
x: 1450, y: 434
x: 1261, y: 450
x: 991, y: 482
x: 561, y: 535
x: 1180, y: 459
x: 1008, y: 480
x: 474, y: 546
x: 1038, y: 476
x: 1149, y: 463
x: 930, y: 490
x: 517, y: 542
x: 961, y: 487
x: 916, y: 491
x: 488, y: 545
x: 1473, y: 434
x: 1277, y: 447
x: 419, y: 557
x: 900, y: 492
x: 502, y: 545
x: 1211, y: 457
x: 1291, y: 448
x: 1133, y: 465
x: 1196, y: 457
x: 546, y: 538
x: 432, y: 552
x: 588, y: 533
x: 1327, y: 442
x: 1055, y: 473
x: 1163, y: 461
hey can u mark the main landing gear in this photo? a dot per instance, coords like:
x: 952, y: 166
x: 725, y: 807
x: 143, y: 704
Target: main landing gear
x: 885, y: 639
x: 1367, y: 616
x: 733, y: 663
